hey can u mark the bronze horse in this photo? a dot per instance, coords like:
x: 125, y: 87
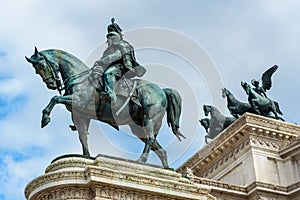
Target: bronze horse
x: 217, y: 122
x: 236, y: 107
x: 63, y: 71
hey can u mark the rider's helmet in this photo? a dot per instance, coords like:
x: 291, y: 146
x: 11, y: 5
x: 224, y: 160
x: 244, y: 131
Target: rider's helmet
x: 114, y: 34
x: 113, y: 28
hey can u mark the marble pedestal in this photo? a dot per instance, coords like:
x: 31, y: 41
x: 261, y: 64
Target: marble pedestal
x: 72, y: 177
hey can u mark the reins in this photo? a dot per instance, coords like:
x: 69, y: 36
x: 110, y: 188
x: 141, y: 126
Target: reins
x: 69, y: 82
x: 54, y: 72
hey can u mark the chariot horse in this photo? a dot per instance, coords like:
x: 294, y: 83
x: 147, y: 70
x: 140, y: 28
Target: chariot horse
x: 217, y: 122
x: 236, y: 107
x: 262, y: 105
x: 64, y: 72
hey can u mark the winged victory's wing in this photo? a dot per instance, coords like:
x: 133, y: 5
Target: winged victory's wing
x: 266, y: 77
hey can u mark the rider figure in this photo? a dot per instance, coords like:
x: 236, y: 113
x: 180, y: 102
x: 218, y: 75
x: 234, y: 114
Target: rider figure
x: 117, y: 60
x: 259, y: 89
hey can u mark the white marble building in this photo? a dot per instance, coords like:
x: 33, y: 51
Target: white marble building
x: 256, y: 158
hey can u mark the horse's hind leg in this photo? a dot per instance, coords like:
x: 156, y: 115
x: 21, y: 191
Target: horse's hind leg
x: 275, y: 113
x: 162, y: 154
x: 142, y: 135
x: 149, y: 141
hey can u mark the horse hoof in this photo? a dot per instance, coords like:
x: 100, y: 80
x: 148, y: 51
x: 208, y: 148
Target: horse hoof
x: 166, y: 167
x: 45, y: 121
x: 86, y: 155
x: 141, y: 160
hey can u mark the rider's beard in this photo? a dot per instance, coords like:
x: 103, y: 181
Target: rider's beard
x: 109, y: 42
x: 113, y: 40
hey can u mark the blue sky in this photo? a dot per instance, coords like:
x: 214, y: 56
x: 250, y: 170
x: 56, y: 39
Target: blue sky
x: 237, y: 39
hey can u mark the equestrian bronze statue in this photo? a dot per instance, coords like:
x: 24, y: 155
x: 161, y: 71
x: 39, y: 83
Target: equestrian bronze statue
x: 109, y: 93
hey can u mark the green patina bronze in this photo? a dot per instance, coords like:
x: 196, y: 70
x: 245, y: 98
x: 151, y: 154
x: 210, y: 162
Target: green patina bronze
x: 257, y: 96
x: 118, y: 60
x: 216, y: 123
x: 258, y: 103
x: 108, y: 93
x: 236, y: 107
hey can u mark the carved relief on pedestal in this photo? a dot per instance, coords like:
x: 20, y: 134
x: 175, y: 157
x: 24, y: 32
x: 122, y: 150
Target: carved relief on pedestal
x: 67, y: 192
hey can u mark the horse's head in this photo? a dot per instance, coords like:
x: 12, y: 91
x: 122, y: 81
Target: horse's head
x: 206, y: 109
x: 246, y: 87
x: 205, y: 122
x: 225, y: 92
x: 43, y: 68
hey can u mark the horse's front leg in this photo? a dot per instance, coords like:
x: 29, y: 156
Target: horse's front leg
x: 233, y: 113
x: 255, y: 106
x: 82, y: 125
x: 205, y: 138
x: 275, y: 113
x: 66, y: 100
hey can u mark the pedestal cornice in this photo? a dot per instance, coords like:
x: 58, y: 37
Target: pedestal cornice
x: 250, y: 130
x: 109, y: 178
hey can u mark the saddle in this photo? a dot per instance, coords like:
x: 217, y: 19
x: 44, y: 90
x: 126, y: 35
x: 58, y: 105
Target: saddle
x: 125, y: 89
x: 128, y: 88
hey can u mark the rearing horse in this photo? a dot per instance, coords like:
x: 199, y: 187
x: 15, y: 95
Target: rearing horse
x: 85, y: 103
x: 217, y: 123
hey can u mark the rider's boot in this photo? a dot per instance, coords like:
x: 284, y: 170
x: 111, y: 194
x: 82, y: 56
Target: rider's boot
x: 110, y: 82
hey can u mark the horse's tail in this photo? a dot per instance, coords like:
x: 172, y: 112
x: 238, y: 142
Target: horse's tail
x: 173, y: 111
x: 277, y: 107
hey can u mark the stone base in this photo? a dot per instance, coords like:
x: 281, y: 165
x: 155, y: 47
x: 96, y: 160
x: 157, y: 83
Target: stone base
x: 74, y: 177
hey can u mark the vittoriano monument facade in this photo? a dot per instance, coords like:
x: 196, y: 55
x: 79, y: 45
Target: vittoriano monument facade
x: 251, y: 155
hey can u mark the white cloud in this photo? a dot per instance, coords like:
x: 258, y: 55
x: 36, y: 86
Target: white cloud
x: 10, y: 87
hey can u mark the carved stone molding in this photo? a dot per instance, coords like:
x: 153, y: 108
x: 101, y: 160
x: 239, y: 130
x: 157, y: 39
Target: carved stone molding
x: 67, y: 192
x: 248, y: 131
x: 116, y: 193
x: 69, y: 161
x: 54, y: 179
x: 108, y: 178
x: 292, y: 149
x: 261, y: 189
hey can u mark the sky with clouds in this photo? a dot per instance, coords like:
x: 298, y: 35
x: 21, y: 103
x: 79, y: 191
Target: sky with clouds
x: 232, y: 41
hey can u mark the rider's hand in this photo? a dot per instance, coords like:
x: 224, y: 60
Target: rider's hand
x: 96, y: 64
x: 130, y: 73
x: 97, y: 72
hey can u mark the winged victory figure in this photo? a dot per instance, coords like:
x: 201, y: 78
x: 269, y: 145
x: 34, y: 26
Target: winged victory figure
x: 266, y: 81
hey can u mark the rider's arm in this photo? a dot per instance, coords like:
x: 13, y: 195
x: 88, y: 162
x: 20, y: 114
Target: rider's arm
x: 106, y: 60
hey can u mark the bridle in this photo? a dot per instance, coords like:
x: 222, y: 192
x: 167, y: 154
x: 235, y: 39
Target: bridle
x: 54, y: 72
x: 69, y: 82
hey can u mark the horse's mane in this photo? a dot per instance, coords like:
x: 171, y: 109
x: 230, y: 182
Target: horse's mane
x: 215, y: 110
x: 65, y: 56
x: 232, y: 98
